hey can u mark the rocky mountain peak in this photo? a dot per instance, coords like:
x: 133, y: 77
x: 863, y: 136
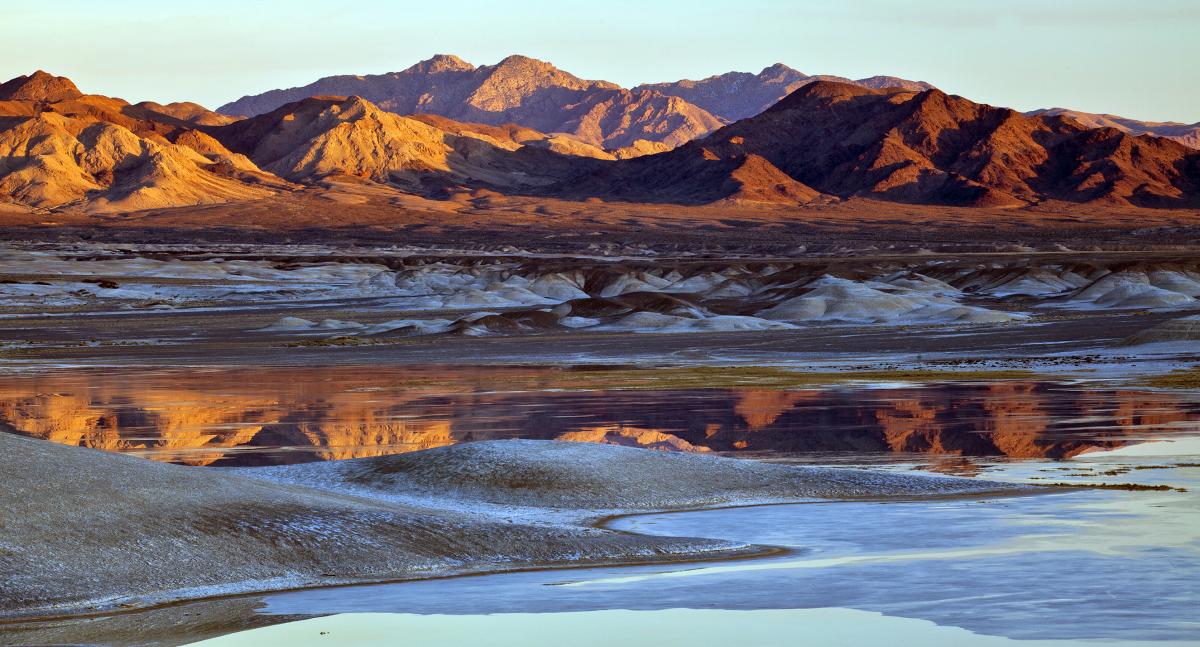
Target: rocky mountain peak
x: 39, y: 86
x: 441, y: 63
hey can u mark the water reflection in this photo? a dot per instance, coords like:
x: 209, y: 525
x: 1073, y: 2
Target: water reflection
x: 256, y: 416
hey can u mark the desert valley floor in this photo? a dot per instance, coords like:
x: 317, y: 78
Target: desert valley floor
x: 765, y: 430
x: 389, y: 347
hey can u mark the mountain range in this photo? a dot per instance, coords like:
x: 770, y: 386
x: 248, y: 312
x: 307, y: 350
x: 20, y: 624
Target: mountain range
x: 536, y: 94
x: 519, y: 90
x: 738, y: 95
x: 60, y: 148
x: 319, y: 137
x: 1186, y: 134
x: 825, y: 141
x: 903, y: 146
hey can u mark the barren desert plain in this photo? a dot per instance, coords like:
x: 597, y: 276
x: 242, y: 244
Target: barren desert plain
x: 496, y: 355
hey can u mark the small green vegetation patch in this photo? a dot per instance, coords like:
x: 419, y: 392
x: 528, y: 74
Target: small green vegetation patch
x: 1135, y: 487
x: 713, y: 377
x: 1188, y: 378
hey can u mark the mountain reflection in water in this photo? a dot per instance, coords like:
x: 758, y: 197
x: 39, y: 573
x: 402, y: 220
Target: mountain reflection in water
x: 273, y: 415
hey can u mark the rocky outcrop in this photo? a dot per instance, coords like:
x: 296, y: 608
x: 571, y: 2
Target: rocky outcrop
x: 39, y: 86
x: 53, y: 161
x: 192, y: 113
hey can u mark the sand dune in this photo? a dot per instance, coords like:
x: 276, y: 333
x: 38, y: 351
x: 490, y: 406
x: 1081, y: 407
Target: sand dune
x: 178, y: 283
x: 833, y: 299
x: 588, y: 476
x: 1164, y: 288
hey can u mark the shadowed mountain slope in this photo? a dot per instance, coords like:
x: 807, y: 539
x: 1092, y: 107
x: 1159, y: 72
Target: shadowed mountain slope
x: 915, y: 147
x: 192, y: 113
x: 514, y: 136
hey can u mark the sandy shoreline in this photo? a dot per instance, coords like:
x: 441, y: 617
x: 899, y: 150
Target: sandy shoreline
x: 164, y: 530
x: 189, y: 620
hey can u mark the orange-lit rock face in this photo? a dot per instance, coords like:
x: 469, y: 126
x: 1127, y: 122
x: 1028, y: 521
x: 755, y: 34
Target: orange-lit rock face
x: 196, y: 419
x: 760, y: 407
x: 161, y: 421
x: 1016, y: 422
x: 631, y: 437
x: 280, y: 415
x: 911, y: 425
x: 358, y: 434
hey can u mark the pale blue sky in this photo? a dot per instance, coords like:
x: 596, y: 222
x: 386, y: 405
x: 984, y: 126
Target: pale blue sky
x: 1137, y: 59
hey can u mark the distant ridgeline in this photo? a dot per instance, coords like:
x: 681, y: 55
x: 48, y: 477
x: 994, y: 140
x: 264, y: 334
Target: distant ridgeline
x: 523, y: 127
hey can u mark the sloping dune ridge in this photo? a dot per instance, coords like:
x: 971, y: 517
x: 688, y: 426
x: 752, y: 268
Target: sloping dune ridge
x: 531, y: 297
x: 86, y: 529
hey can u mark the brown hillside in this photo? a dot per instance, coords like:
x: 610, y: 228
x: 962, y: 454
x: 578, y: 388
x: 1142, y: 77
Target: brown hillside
x: 63, y: 149
x: 823, y: 143
x: 192, y: 113
x: 349, y: 136
x: 39, y: 86
x: 927, y: 148
x: 513, y: 136
x: 692, y: 174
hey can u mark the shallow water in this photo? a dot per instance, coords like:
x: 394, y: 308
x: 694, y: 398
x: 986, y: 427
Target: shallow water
x: 1064, y: 567
x: 262, y: 416
x: 665, y: 628
x: 1081, y: 565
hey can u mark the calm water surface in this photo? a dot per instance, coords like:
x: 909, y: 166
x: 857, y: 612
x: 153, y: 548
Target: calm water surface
x: 1080, y: 565
x: 263, y: 416
x: 1075, y: 566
